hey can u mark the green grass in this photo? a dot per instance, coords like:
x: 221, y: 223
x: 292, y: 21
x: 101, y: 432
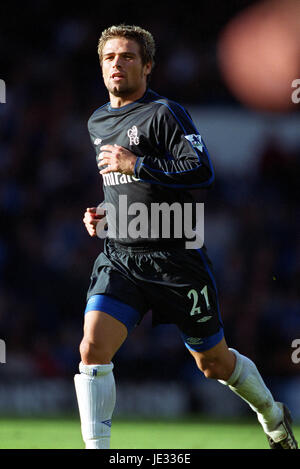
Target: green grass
x: 58, y: 433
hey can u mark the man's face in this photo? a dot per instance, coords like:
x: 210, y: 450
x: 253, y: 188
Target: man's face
x: 122, y: 68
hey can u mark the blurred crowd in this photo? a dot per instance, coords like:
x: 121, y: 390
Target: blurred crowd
x: 49, y: 176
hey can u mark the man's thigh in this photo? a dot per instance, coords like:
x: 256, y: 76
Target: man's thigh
x: 114, y: 290
x: 186, y: 295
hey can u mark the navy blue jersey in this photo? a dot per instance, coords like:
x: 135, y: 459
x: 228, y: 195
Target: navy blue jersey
x: 172, y: 159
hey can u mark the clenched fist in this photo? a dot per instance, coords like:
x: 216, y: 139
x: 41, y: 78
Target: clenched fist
x: 91, y: 218
x: 116, y: 159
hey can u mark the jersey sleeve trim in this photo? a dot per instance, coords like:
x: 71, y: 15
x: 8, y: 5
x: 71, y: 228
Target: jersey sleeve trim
x: 179, y: 186
x: 170, y: 172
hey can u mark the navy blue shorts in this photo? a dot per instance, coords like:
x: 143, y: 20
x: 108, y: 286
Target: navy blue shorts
x: 177, y: 285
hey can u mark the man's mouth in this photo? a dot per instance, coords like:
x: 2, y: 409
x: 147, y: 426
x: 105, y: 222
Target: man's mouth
x: 117, y: 76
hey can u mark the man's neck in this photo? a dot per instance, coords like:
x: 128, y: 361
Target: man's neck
x: 120, y: 101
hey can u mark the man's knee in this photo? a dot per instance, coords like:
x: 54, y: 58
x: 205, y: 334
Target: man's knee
x: 92, y: 354
x: 215, y: 365
x: 210, y: 368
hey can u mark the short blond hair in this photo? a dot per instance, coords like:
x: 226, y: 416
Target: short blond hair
x: 140, y: 35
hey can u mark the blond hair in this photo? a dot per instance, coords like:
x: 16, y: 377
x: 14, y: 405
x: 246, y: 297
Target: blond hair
x: 140, y: 35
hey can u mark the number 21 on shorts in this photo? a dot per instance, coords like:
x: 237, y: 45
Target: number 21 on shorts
x: 196, y: 308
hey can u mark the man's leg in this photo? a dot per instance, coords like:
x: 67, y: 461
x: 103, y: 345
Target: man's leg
x: 241, y: 375
x: 95, y: 385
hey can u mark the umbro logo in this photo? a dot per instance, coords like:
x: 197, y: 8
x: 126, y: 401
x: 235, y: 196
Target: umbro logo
x: 107, y: 422
x: 97, y: 141
x: 194, y: 341
x: 204, y: 319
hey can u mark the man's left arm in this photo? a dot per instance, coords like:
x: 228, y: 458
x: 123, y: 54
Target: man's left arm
x: 185, y: 161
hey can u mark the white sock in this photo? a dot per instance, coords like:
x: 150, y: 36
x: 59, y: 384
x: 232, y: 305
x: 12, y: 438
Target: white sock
x: 96, y: 396
x: 247, y: 383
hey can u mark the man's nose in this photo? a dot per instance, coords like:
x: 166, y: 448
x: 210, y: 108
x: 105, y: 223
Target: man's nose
x: 117, y: 61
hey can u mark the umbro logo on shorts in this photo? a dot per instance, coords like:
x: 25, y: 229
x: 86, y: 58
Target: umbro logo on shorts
x: 204, y: 319
x: 194, y: 340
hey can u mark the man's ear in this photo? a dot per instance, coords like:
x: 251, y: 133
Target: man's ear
x: 148, y: 68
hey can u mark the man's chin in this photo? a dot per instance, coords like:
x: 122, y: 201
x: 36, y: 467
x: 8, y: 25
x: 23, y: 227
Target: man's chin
x: 120, y: 92
x: 117, y: 92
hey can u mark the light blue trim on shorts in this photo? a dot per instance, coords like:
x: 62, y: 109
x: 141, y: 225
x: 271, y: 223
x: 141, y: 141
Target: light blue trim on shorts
x: 198, y: 344
x: 115, y: 308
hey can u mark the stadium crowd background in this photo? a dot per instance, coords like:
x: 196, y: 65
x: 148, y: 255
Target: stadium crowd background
x: 49, y: 176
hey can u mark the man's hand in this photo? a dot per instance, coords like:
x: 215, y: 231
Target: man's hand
x: 117, y: 159
x: 91, y: 219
